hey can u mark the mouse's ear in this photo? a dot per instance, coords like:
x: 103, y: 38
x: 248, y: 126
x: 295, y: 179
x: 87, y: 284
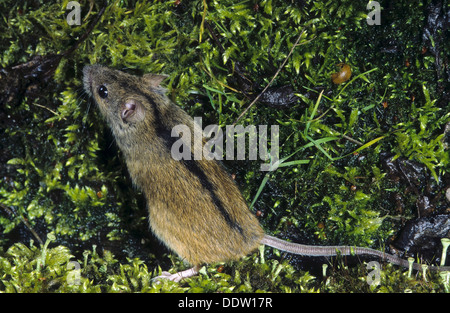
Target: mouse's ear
x: 153, y: 80
x: 132, y: 111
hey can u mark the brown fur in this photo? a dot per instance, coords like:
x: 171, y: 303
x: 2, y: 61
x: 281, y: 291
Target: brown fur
x: 195, y: 207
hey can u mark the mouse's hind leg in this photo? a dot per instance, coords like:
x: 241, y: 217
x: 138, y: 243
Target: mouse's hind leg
x: 178, y: 276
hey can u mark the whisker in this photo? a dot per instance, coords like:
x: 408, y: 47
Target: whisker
x: 83, y: 95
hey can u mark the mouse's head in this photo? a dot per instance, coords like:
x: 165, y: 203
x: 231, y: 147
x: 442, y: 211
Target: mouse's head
x: 121, y: 97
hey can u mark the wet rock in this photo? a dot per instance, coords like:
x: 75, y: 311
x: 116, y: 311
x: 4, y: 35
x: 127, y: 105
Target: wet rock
x: 418, y: 180
x: 423, y: 236
x: 424, y: 205
x: 403, y: 169
x: 279, y: 97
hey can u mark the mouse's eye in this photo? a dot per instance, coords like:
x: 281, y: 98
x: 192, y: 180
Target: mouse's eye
x: 103, y: 92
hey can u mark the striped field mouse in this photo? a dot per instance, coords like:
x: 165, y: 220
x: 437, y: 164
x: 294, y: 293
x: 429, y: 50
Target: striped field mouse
x: 195, y: 207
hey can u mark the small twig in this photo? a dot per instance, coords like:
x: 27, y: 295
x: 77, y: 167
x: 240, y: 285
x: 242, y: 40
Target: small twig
x: 214, y: 37
x: 88, y: 31
x: 11, y: 212
x: 271, y: 81
x: 218, y: 81
x: 359, y: 143
x: 352, y: 140
x: 91, y: 6
x: 44, y: 107
x: 202, y: 27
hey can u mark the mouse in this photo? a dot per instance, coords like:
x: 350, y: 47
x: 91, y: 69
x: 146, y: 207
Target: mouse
x: 194, y: 206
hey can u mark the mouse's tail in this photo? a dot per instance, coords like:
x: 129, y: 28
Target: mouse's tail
x: 308, y: 250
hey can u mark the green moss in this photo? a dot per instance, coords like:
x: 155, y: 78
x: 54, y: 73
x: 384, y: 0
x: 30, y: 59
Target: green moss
x: 63, y: 176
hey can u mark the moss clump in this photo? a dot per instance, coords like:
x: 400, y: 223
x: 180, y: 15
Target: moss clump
x: 64, y: 179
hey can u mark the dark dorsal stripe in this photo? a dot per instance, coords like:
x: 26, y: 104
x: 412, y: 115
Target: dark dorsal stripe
x: 165, y: 134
